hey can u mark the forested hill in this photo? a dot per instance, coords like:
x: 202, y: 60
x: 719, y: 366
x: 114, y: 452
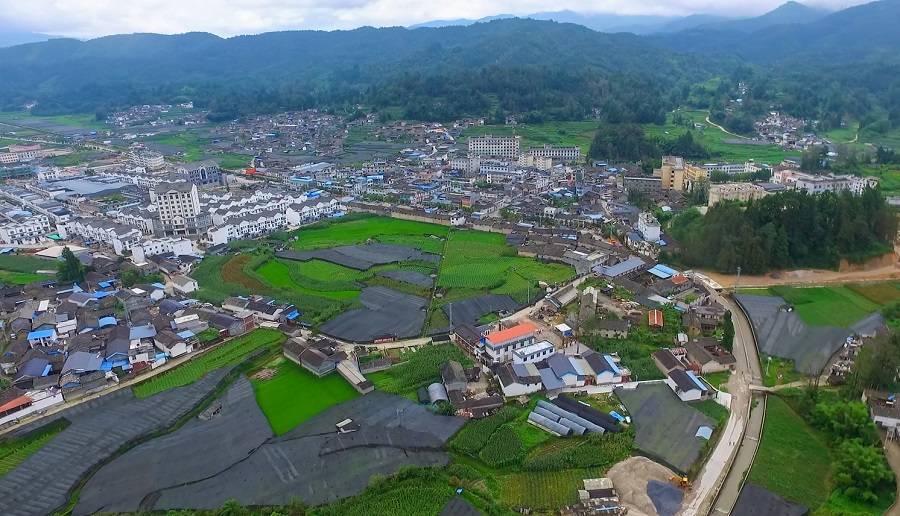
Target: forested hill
x: 313, y: 66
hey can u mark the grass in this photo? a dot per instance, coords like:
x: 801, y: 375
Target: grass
x: 226, y: 354
x: 294, y: 395
x: 230, y: 160
x: 24, y: 263
x: 717, y: 412
x: 84, y: 120
x: 718, y: 380
x: 75, y: 158
x: 879, y: 293
x: 889, y: 177
x: 562, y: 134
x: 359, y: 230
x: 544, y: 490
x: 792, y: 461
x: 278, y: 274
x: 14, y: 451
x: 189, y: 143
x: 842, y: 134
x: 419, y: 369
x: 827, y: 306
x: 778, y: 371
x: 21, y: 278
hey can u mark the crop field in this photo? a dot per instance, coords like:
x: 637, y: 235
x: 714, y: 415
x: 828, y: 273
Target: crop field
x: 14, y: 451
x: 189, y: 144
x: 792, y: 459
x: 294, y: 395
x: 879, y: 293
x: 22, y: 278
x: 545, y: 490
x: 419, y: 369
x: 20, y: 270
x: 827, y: 306
x: 474, y: 263
x: 226, y: 354
x: 361, y: 229
x: 53, y: 122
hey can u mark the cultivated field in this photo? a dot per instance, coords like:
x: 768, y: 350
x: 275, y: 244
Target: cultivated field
x: 323, y: 285
x: 833, y: 305
x: 20, y: 269
x: 294, y: 395
x: 226, y: 354
x: 14, y: 451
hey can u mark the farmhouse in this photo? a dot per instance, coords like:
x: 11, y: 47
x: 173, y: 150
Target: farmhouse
x: 655, y: 318
x: 519, y: 379
x: 307, y: 357
x: 707, y: 356
x: 884, y: 410
x: 613, y: 328
x: 687, y: 386
x: 534, y: 353
x: 666, y: 361
x: 499, y: 345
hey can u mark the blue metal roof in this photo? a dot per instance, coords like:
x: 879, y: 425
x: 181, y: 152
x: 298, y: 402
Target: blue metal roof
x: 41, y: 334
x: 659, y: 273
x: 186, y: 334
x: 108, y: 321
x: 696, y: 381
x: 550, y: 381
x: 612, y: 364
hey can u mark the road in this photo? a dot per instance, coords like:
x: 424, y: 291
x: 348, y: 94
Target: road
x: 726, y: 131
x: 718, y: 483
x: 808, y: 277
x: 892, y: 452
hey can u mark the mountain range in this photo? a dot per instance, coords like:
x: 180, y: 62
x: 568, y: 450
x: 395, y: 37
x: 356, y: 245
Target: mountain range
x: 538, y: 62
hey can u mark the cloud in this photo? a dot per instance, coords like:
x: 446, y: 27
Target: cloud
x: 91, y: 18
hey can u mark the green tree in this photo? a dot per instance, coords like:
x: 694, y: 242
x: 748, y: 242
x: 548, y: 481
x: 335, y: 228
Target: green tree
x: 70, y: 268
x: 861, y: 472
x: 728, y: 335
x: 842, y: 420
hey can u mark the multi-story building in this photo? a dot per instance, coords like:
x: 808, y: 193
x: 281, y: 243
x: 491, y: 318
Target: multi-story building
x: 93, y: 230
x: 820, y: 183
x: 746, y: 167
x: 556, y: 153
x: 201, y: 173
x: 677, y: 175
x: 538, y: 162
x: 158, y: 246
x: 178, y: 210
x: 643, y: 184
x: 500, y: 345
x: 148, y: 159
x: 506, y: 147
x: 648, y: 226
x: 743, y: 192
x: 25, y: 230
x: 248, y: 226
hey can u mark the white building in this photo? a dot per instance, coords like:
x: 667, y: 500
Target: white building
x: 648, y: 226
x: 506, y: 147
x: 247, y: 227
x: 533, y: 353
x: 499, y: 345
x: 184, y: 284
x: 732, y: 168
x: 157, y: 246
x: 25, y: 230
x: 556, y: 153
x: 147, y: 159
x: 118, y: 236
x: 178, y: 209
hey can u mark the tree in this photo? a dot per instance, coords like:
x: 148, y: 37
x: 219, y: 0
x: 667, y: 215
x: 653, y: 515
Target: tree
x: 861, y: 472
x: 879, y: 361
x: 622, y: 142
x: 842, y: 420
x: 728, y: 336
x: 71, y: 268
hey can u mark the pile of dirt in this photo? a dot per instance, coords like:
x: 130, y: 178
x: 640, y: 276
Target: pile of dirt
x: 630, y: 478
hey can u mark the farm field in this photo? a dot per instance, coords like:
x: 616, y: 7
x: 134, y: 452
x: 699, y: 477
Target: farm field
x: 793, y: 460
x: 889, y: 176
x: 294, y: 395
x: 828, y: 306
x: 14, y: 451
x: 22, y: 278
x: 20, y: 270
x: 72, y: 121
x: 474, y: 263
x: 226, y: 354
x: 418, y: 369
x: 565, y: 134
x: 189, y: 144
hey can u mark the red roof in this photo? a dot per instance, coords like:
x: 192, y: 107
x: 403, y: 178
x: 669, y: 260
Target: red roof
x: 655, y: 318
x: 679, y: 279
x: 15, y: 403
x: 516, y: 332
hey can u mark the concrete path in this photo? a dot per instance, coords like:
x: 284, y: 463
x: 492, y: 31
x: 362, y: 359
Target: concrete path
x: 892, y: 452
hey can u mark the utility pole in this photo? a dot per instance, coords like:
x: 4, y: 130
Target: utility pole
x: 738, y: 279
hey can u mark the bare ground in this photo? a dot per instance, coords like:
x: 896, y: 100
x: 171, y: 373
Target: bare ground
x: 807, y: 276
x: 630, y: 479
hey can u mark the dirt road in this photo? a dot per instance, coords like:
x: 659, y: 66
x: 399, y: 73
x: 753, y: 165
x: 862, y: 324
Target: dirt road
x: 807, y: 277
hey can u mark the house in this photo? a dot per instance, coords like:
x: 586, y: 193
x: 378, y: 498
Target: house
x: 687, y: 386
x: 82, y: 362
x: 232, y: 326
x: 499, y: 345
x: 707, y: 356
x: 613, y: 328
x: 453, y: 377
x: 534, y: 353
x: 666, y: 361
x: 172, y: 344
x: 518, y: 379
x: 604, y: 367
x: 884, y: 410
x: 183, y: 284
x: 567, y: 369
x: 703, y: 316
x: 655, y: 319
x: 468, y: 337
x: 310, y: 358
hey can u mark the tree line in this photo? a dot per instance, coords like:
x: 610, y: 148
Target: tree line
x: 786, y: 230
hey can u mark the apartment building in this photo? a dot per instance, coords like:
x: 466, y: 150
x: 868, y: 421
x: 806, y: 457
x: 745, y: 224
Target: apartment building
x: 648, y: 227
x: 746, y: 167
x: 158, y: 246
x: 505, y: 147
x: 93, y: 230
x: 743, y: 192
x: 148, y: 160
x: 556, y: 153
x: 201, y: 173
x: 178, y: 210
x: 249, y: 226
x: 676, y: 174
x: 24, y: 230
x: 820, y: 183
x: 643, y: 184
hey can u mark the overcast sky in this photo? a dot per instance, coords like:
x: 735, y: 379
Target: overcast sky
x: 90, y: 18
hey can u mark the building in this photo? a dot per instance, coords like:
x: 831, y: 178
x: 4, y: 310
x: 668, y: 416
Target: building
x: 556, y: 153
x: 178, y: 209
x: 648, y: 227
x: 742, y: 192
x: 184, y: 284
x: 519, y: 379
x: 883, y: 410
x: 247, y: 227
x: 677, y: 175
x: 613, y: 328
x: 506, y: 147
x: 24, y: 230
x: 101, y: 231
x: 157, y: 246
x: 731, y: 169
x: 533, y: 353
x: 201, y: 173
x: 643, y: 184
x: 820, y: 183
x: 687, y: 386
x: 706, y: 356
x: 147, y: 159
x: 499, y: 345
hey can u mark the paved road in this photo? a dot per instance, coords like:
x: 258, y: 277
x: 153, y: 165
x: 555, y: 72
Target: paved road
x: 718, y: 467
x: 749, y: 373
x: 892, y: 452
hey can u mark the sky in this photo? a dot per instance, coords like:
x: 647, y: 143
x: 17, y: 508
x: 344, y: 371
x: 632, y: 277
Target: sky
x: 92, y: 18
